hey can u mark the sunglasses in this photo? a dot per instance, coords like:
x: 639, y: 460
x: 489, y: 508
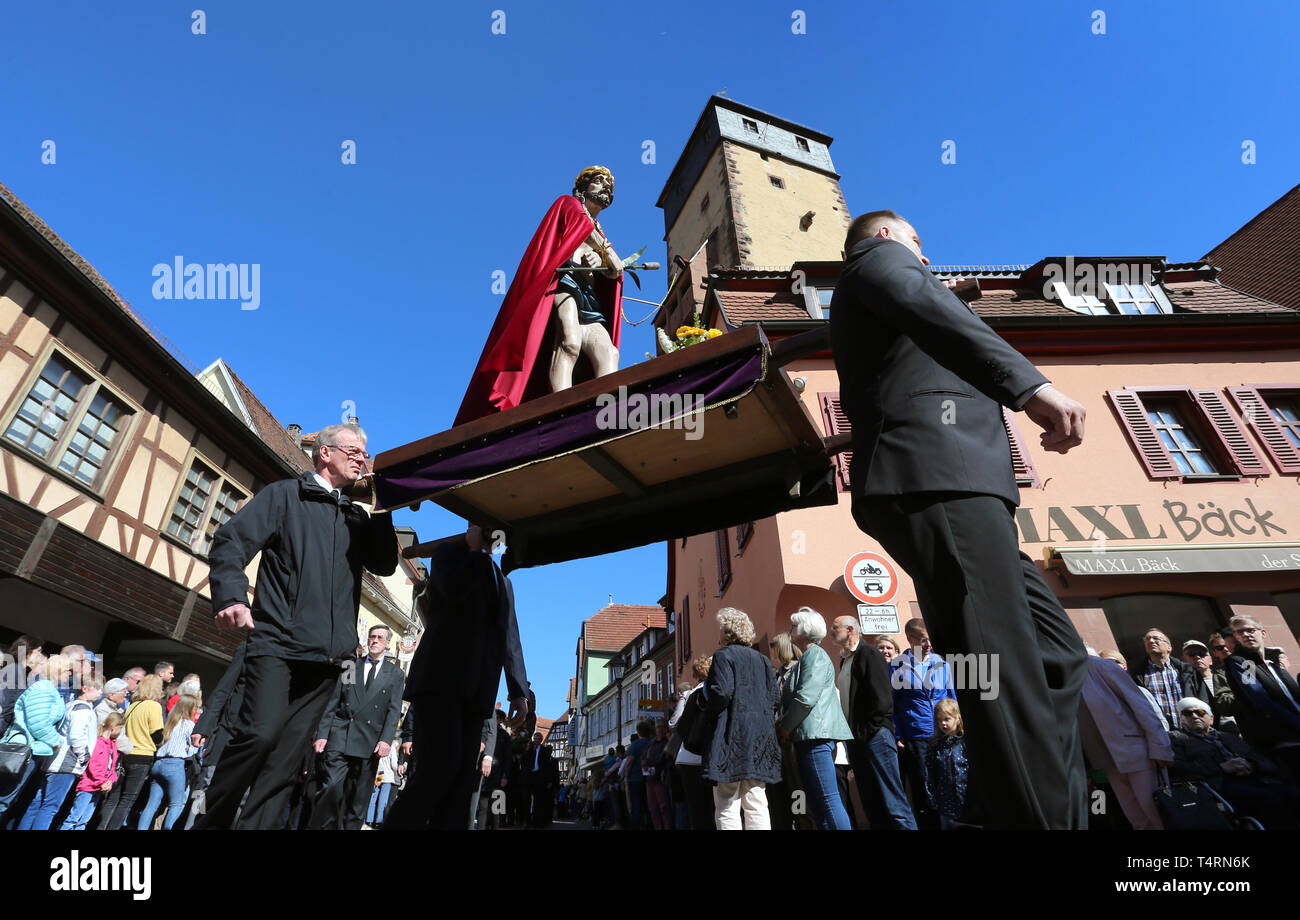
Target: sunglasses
x: 1194, y: 712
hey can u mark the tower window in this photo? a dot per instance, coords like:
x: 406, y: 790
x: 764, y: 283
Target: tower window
x: 801, y: 143
x: 704, y: 203
x: 776, y: 181
x: 750, y: 126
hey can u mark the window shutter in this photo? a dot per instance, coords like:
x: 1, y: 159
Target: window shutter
x: 724, y: 560
x: 1224, y: 424
x: 837, y: 423
x: 1142, y: 435
x: 1025, y: 472
x: 1254, y: 409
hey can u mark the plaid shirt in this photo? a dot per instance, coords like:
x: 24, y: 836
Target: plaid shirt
x: 1165, y: 686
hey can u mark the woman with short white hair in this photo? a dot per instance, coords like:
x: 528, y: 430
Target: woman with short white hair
x: 814, y: 720
x: 742, y: 755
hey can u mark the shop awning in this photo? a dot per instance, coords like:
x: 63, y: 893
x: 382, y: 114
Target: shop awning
x: 616, y: 462
x: 1200, y: 558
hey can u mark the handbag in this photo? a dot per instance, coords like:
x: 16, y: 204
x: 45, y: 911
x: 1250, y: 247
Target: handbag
x: 699, y: 727
x: 14, y: 756
x: 1190, y: 807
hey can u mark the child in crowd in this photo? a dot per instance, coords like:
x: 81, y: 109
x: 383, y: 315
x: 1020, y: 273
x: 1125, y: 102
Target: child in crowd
x: 99, y: 776
x: 946, y: 766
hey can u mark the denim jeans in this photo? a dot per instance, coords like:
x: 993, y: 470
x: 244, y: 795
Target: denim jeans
x: 378, y: 804
x: 49, y: 799
x: 875, y: 767
x: 83, y: 807
x: 817, y: 769
x: 166, y: 778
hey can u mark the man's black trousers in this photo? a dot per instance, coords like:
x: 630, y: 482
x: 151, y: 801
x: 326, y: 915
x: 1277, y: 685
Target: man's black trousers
x: 347, y: 784
x: 443, y: 778
x: 282, y: 706
x: 980, y: 595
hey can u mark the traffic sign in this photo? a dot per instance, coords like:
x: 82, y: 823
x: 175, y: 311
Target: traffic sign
x: 871, y: 578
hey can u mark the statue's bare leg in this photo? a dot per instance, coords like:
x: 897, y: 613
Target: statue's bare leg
x: 599, y: 349
x: 568, y: 343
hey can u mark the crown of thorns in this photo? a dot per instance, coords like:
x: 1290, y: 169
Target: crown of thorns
x: 585, y: 177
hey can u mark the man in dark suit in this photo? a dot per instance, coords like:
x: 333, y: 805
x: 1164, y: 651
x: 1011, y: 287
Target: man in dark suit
x: 496, y: 760
x: 868, y: 700
x: 542, y: 777
x: 354, y: 734
x: 1267, y: 697
x: 471, y: 633
x: 923, y: 381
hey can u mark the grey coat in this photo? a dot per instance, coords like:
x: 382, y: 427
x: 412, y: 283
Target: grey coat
x: 741, y: 694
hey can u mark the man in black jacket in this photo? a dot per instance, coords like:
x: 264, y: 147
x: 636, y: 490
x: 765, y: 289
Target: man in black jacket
x: 868, y: 700
x: 354, y: 734
x: 1267, y: 697
x: 923, y: 381
x: 496, y: 760
x: 314, y: 542
x: 470, y: 634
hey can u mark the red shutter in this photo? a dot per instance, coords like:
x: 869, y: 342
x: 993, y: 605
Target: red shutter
x: 1224, y: 424
x: 837, y: 423
x: 1025, y: 472
x: 1143, y: 436
x: 1254, y: 409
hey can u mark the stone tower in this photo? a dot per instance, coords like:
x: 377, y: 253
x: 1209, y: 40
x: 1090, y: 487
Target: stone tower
x: 755, y: 191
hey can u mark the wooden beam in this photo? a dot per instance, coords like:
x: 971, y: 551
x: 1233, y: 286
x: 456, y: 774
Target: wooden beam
x: 612, y: 470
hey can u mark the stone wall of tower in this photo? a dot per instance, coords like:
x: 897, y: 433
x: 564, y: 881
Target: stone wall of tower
x: 700, y: 217
x: 767, y: 219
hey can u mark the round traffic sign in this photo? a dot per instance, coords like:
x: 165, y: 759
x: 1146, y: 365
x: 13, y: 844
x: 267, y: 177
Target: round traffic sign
x: 871, y: 578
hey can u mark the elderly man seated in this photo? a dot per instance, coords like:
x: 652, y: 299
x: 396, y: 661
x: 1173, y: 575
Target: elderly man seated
x: 1250, y: 782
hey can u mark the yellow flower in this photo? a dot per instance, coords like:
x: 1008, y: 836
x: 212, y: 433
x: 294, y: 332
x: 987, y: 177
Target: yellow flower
x: 712, y: 334
x: 684, y: 331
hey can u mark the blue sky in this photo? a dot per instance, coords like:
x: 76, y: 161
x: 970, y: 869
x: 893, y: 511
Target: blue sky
x: 376, y: 277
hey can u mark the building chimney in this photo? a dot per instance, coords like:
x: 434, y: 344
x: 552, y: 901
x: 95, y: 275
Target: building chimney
x: 295, y: 432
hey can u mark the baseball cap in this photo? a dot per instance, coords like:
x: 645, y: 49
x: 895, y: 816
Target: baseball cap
x: 1192, y: 643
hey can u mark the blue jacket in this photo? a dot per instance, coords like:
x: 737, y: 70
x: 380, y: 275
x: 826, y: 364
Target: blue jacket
x: 38, y: 718
x: 916, y: 689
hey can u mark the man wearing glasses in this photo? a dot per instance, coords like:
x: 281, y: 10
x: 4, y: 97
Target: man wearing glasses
x: 1268, y: 699
x: 1214, y: 680
x: 314, y: 543
x: 1168, y: 679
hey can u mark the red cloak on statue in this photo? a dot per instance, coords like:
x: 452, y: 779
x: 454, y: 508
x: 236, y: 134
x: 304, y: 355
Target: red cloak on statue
x: 509, y: 370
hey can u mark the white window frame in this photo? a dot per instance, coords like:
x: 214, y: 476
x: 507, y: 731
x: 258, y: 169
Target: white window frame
x: 223, y: 479
x: 92, y: 389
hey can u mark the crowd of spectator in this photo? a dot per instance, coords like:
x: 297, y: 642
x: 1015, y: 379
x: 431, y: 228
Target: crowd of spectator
x: 874, y: 736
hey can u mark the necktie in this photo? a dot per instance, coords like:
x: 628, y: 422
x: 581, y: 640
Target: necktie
x: 371, y: 668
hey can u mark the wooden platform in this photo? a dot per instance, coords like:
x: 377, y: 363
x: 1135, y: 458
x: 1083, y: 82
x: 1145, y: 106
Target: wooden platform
x: 562, y: 484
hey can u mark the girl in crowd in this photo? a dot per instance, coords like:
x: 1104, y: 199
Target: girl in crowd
x: 167, y: 776
x: 100, y: 774
x: 946, y: 767
x: 814, y: 720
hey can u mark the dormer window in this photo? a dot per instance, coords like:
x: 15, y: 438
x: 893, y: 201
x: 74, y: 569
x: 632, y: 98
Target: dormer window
x: 802, y: 144
x: 750, y: 125
x: 1117, y: 299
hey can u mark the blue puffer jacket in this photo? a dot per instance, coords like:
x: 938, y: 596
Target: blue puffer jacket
x: 38, y: 718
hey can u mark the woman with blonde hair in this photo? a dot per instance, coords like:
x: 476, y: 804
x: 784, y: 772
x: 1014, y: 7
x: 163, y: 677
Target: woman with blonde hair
x: 742, y: 756
x: 38, y: 721
x: 167, y: 777
x: 780, y: 796
x: 814, y: 720
x: 144, y: 726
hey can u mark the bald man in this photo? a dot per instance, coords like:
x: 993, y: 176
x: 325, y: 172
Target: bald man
x: 923, y: 381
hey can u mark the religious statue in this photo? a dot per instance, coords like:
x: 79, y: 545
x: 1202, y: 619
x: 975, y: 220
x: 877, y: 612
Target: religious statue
x: 567, y: 295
